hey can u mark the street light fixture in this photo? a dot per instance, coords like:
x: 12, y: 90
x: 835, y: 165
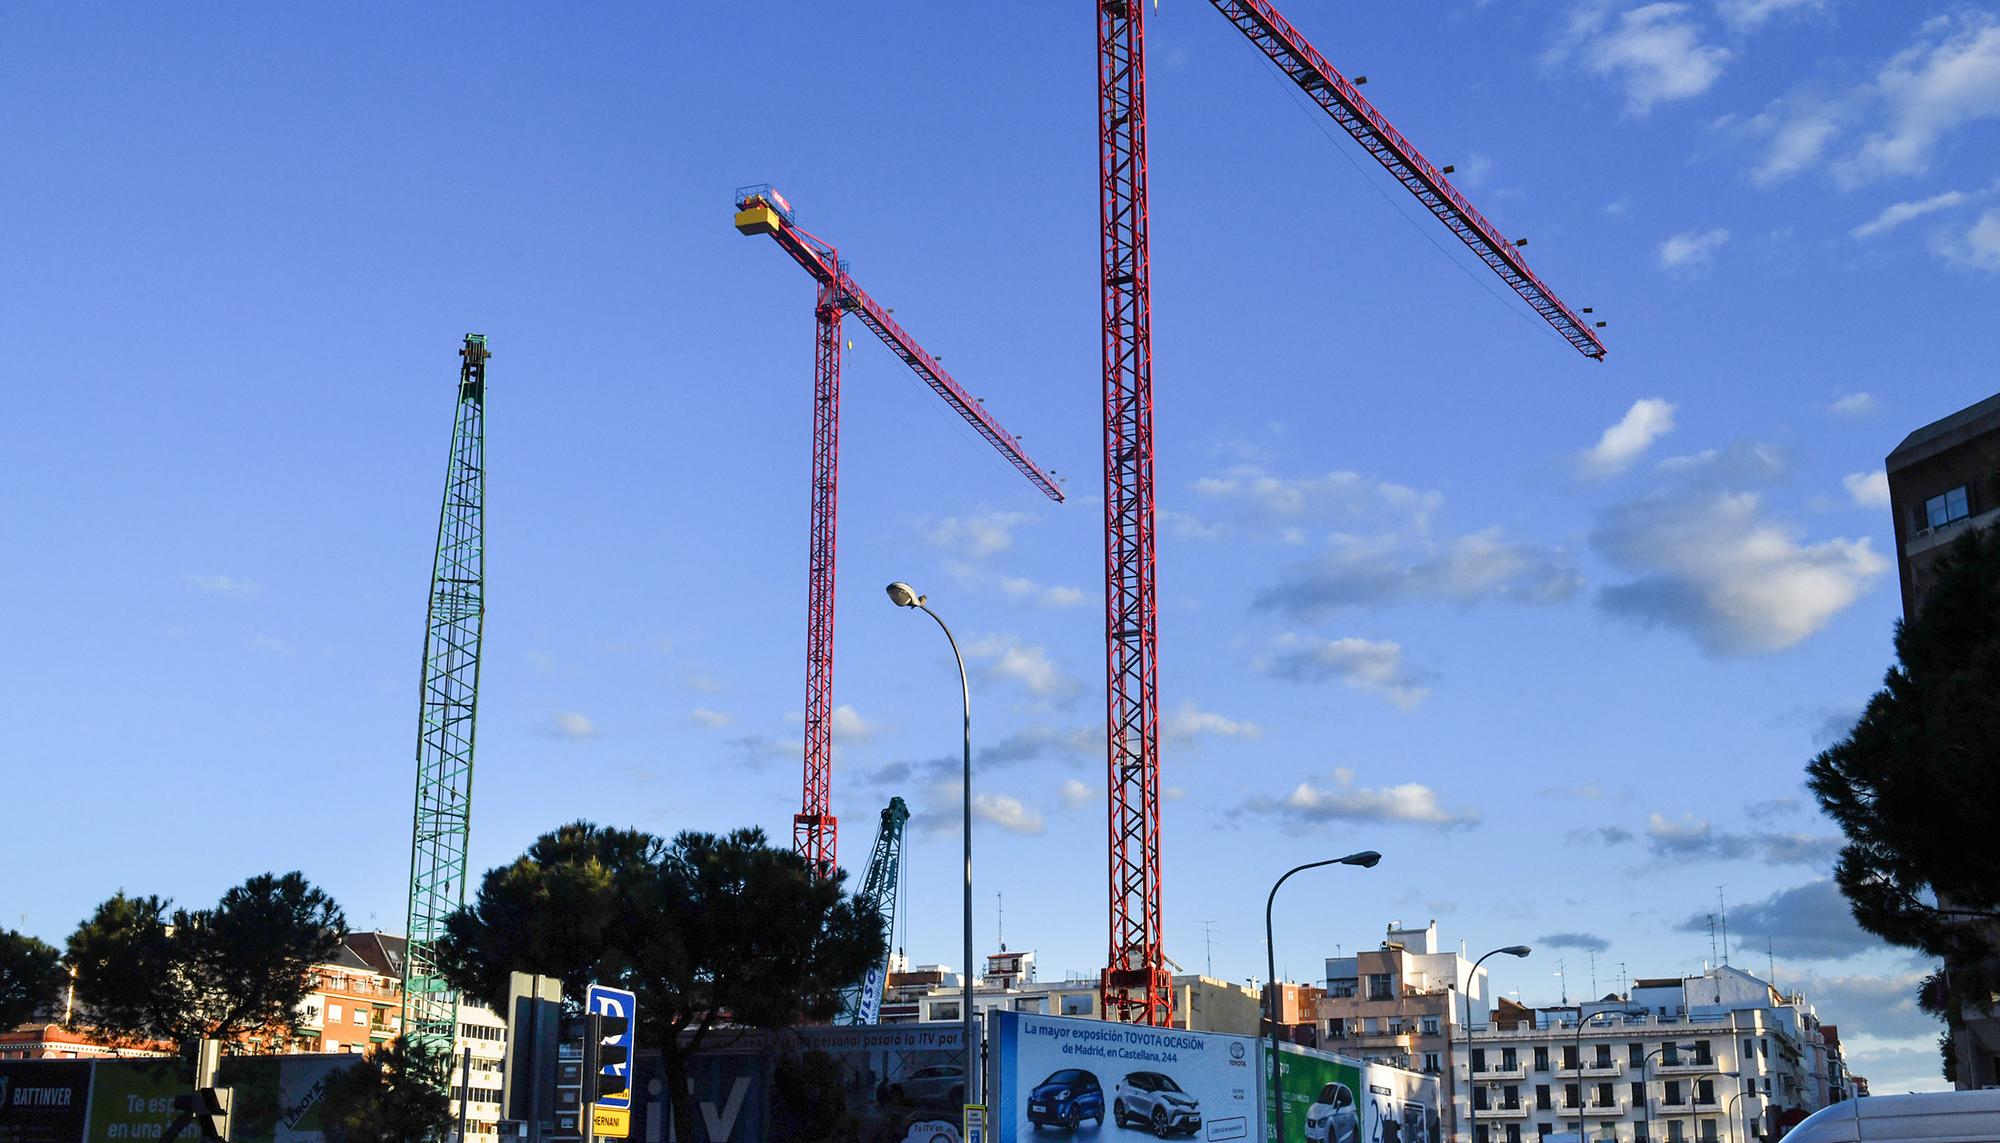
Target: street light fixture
x: 1646, y: 1081
x: 903, y: 595
x: 1581, y: 1023
x: 1366, y: 859
x: 1465, y: 993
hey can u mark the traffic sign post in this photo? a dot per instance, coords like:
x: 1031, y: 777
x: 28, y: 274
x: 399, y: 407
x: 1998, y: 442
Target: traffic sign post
x: 609, y: 1038
x: 975, y: 1123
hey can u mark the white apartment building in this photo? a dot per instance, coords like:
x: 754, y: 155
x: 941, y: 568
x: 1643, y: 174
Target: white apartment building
x: 935, y: 993
x: 1718, y: 1058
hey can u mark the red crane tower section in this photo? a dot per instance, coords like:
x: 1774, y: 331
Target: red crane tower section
x: 1136, y: 986
x: 761, y: 210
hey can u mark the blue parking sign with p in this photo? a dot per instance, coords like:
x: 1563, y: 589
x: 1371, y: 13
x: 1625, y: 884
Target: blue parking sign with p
x: 616, y: 1002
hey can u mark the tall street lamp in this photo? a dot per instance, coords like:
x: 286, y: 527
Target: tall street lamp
x: 1366, y: 859
x: 1581, y: 1023
x: 903, y: 595
x: 1645, y: 1079
x: 1465, y: 993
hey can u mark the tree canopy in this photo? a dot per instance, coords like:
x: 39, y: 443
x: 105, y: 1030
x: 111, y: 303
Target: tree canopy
x: 148, y: 972
x: 392, y: 1096
x: 1915, y: 785
x: 705, y: 930
x: 31, y: 976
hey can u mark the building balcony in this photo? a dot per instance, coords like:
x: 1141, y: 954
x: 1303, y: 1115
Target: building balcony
x: 1500, y: 1111
x: 1609, y: 1110
x: 1591, y: 1070
x: 1683, y: 1067
x: 1499, y: 1072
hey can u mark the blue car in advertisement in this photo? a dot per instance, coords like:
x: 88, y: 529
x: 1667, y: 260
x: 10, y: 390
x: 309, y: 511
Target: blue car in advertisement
x: 1065, y: 1099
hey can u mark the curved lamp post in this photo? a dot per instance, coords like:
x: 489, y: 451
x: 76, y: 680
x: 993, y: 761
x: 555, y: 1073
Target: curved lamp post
x: 1694, y: 1102
x: 903, y: 595
x: 1465, y: 994
x: 1646, y: 1082
x: 1366, y: 859
x: 1582, y: 1022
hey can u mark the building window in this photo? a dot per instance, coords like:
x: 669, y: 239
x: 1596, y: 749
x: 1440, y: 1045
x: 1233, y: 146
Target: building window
x: 1569, y: 1057
x: 1340, y: 989
x: 1512, y: 1095
x: 1480, y: 1100
x: 1704, y: 1091
x: 1672, y: 1096
x: 1676, y: 1131
x: 1513, y: 1133
x: 1509, y: 1059
x: 333, y: 1045
x: 1604, y: 1096
x: 360, y: 1017
x: 1542, y: 1097
x: 1572, y: 1096
x: 1942, y: 510
x: 1708, y: 1131
x: 1431, y: 1063
x: 1544, y: 1130
x: 1381, y: 986
x: 1635, y: 1054
x: 1541, y: 1057
x: 1479, y: 1059
x: 1430, y: 1025
x: 332, y: 1011
x: 1482, y: 1133
x: 944, y: 1011
x: 1603, y: 1055
x: 1638, y: 1096
x: 1703, y: 1054
x: 1084, y: 1005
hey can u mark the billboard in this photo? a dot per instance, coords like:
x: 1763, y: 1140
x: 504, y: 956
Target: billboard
x: 116, y: 1100
x: 1122, y: 1080
x: 1325, y: 1100
x: 1400, y: 1106
x: 896, y: 1083
x: 43, y: 1102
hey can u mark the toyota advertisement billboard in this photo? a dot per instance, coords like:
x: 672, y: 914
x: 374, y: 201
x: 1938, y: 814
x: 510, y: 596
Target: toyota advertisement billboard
x: 1121, y: 1080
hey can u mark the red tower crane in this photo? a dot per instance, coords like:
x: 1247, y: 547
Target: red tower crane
x: 1136, y: 986
x: 761, y: 210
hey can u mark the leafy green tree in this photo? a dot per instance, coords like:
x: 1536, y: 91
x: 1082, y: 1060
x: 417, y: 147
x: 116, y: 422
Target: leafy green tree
x: 31, y: 974
x: 394, y: 1095
x: 236, y: 972
x: 1915, y: 785
x: 707, y: 930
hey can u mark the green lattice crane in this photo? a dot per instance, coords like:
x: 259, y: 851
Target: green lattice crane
x: 881, y: 885
x: 448, y: 704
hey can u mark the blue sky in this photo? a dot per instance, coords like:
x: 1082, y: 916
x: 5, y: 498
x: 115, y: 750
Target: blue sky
x: 1558, y: 638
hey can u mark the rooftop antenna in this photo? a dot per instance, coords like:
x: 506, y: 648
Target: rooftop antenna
x: 1562, y: 971
x: 1771, y: 950
x: 1624, y: 981
x: 1208, y: 948
x: 1711, y: 942
x: 1722, y: 912
x: 1000, y: 905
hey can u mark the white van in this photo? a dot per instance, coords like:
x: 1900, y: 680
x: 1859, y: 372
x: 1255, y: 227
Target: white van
x: 1927, y: 1117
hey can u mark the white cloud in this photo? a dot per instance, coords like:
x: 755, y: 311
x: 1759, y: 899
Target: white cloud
x: 1339, y: 495
x: 847, y: 725
x: 1796, y: 144
x: 1649, y: 419
x: 1360, y: 571
x: 1653, y: 49
x: 221, y: 584
x: 1715, y: 566
x: 1690, y: 254
x: 1075, y: 793
x: 1978, y: 247
x: 1868, y: 489
x: 1854, y: 405
x: 712, y: 719
x: 1190, y: 721
x: 271, y: 644
x: 1006, y: 812
x: 1749, y: 15
x: 1027, y: 664
x: 1342, y: 800
x: 1949, y: 77
x: 1371, y: 665
x: 1897, y: 214
x: 980, y: 535
x: 1020, y: 587
x: 570, y: 725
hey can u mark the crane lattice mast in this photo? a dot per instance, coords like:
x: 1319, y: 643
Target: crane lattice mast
x: 1136, y: 986
x: 761, y: 210
x: 448, y: 700
x: 881, y: 885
